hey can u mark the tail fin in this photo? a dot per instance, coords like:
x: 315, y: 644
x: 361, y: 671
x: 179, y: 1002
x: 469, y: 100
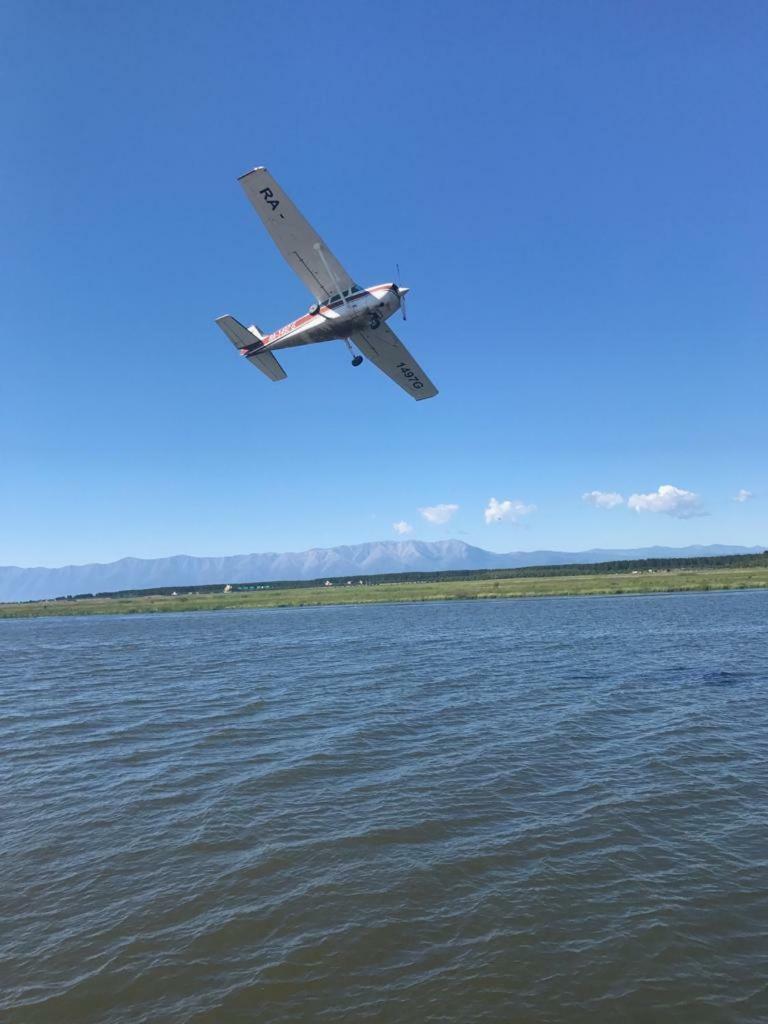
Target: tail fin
x: 243, y: 338
x: 238, y: 334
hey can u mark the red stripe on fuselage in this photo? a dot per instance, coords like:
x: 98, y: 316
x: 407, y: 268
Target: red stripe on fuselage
x: 291, y: 328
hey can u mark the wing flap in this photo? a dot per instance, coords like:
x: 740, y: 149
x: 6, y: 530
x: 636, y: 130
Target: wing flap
x: 385, y: 350
x: 301, y: 246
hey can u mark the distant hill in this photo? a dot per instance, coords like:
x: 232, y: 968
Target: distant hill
x: 17, y: 584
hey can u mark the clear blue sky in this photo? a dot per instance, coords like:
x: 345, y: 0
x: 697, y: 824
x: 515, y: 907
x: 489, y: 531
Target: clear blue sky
x: 575, y: 193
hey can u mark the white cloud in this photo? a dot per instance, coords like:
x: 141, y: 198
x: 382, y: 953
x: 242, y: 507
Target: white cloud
x: 743, y: 495
x: 437, y: 514
x: 672, y: 501
x: 402, y: 527
x: 603, y: 499
x: 511, y: 510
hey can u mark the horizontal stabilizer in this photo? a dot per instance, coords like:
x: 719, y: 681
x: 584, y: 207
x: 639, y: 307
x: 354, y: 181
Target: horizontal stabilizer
x: 238, y: 334
x: 243, y: 337
x: 267, y: 363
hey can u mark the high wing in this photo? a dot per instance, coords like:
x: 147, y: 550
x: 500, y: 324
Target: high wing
x: 385, y: 350
x: 305, y: 251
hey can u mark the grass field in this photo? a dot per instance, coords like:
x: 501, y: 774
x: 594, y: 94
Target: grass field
x: 449, y: 590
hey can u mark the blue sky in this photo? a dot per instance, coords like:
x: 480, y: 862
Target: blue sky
x: 575, y: 193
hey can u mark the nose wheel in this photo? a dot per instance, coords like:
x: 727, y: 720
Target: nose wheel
x: 357, y: 360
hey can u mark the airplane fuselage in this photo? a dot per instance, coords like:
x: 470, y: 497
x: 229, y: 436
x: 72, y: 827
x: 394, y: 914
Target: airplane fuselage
x: 338, y: 317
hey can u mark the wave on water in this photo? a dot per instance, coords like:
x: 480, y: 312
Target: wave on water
x: 470, y: 811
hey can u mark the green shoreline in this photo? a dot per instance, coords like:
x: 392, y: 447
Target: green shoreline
x: 667, y: 582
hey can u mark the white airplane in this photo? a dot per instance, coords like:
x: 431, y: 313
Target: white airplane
x: 342, y: 310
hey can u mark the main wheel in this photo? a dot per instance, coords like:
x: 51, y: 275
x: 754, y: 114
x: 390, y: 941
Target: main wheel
x: 314, y: 309
x: 357, y: 360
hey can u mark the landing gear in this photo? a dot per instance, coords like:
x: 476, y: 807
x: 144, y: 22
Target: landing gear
x: 356, y: 360
x: 314, y: 309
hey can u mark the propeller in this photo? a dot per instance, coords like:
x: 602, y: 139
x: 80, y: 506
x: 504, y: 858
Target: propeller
x: 401, y: 292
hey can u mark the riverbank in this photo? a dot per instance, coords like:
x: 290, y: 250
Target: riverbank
x: 448, y: 590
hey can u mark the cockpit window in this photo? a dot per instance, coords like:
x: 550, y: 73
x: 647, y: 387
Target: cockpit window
x: 347, y: 293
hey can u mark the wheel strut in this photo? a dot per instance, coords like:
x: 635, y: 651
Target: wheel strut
x: 356, y: 360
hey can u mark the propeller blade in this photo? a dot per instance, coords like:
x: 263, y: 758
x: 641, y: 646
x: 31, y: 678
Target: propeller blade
x: 401, y: 292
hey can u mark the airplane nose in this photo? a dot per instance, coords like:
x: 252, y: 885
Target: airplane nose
x: 402, y: 291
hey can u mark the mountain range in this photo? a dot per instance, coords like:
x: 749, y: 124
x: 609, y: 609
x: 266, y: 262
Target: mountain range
x: 31, y: 584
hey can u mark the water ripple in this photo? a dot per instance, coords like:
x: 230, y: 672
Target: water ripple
x: 533, y: 811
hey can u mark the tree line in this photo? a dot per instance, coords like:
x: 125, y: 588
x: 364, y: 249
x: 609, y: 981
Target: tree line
x: 525, y: 572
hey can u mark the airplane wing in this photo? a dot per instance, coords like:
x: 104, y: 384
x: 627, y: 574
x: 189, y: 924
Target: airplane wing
x: 302, y: 247
x: 385, y: 350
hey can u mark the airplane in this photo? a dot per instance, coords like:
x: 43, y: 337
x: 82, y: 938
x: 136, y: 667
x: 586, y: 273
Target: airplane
x: 342, y: 310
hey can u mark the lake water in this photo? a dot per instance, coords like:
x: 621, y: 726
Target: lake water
x: 493, y: 811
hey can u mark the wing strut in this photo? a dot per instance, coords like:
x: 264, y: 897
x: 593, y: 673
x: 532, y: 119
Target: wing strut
x: 318, y: 247
x: 294, y: 237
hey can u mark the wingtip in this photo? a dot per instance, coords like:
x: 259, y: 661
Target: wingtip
x: 253, y: 170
